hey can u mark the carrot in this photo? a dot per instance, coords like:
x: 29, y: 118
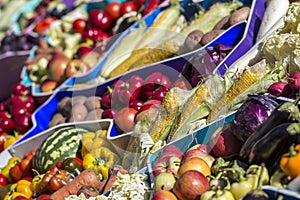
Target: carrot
x: 87, y: 177
x: 113, y: 173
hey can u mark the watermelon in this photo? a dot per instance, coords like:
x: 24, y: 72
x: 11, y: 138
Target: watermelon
x: 58, y: 146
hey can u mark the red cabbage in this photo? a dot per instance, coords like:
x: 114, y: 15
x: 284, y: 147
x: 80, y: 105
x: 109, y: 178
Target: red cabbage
x: 252, y: 114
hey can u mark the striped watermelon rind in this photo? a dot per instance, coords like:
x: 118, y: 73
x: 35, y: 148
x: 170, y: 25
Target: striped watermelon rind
x: 56, y: 147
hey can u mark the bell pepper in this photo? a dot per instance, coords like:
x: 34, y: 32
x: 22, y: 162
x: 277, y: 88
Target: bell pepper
x: 254, y: 171
x: 100, y: 160
x: 279, y: 179
x: 11, y: 162
x: 240, y: 189
x: 21, y: 188
x: 93, y: 140
x: 35, y: 185
x: 289, y: 162
x: 11, y: 140
x: 217, y: 195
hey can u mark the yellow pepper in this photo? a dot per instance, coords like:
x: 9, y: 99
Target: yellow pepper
x: 289, y: 162
x: 21, y: 188
x: 35, y: 185
x: 93, y: 140
x: 11, y: 140
x: 100, y: 160
x: 11, y: 162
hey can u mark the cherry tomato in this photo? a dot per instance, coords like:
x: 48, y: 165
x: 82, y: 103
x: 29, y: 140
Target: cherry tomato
x: 114, y: 9
x: 79, y: 25
x: 128, y: 7
x: 124, y: 119
x: 3, y: 180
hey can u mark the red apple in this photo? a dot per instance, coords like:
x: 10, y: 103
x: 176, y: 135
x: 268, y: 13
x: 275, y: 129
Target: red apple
x: 200, y: 147
x: 76, y: 67
x: 81, y: 51
x: 199, y: 154
x: 91, y: 58
x: 56, y: 67
x: 195, y: 163
x: 48, y: 85
x: 223, y: 143
x: 168, y: 164
x: 191, y: 185
x: 164, y: 181
x: 164, y: 195
x: 171, y: 150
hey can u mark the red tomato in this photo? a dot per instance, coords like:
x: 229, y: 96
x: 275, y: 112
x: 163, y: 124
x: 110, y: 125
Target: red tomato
x: 78, y: 160
x: 44, y: 197
x: 44, y: 24
x: 124, y: 119
x: 128, y: 7
x: 79, y: 25
x: 3, y: 180
x: 114, y: 9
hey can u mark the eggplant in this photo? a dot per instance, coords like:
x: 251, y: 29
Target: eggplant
x: 277, y: 141
x: 286, y: 112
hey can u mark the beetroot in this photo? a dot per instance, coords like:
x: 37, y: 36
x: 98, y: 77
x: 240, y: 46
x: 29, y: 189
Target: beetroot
x: 294, y: 81
x: 280, y: 89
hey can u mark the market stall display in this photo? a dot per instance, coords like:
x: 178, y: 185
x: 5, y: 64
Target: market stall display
x: 217, y: 119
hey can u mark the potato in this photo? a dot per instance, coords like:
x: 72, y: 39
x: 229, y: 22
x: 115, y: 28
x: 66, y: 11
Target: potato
x: 208, y: 37
x: 62, y: 104
x: 78, y: 99
x: 78, y: 113
x: 94, y: 114
x: 93, y: 103
x: 57, y: 118
x: 223, y: 23
x: 239, y: 15
x: 191, y: 42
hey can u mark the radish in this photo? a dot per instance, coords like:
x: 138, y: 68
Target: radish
x: 274, y: 12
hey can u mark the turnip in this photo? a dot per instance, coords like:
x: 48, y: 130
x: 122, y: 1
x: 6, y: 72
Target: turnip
x: 274, y: 12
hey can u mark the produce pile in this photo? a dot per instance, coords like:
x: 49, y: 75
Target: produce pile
x: 140, y: 130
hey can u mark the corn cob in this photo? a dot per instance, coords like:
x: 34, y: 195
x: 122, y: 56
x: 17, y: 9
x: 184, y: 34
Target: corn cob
x: 165, y: 21
x: 210, y: 18
x: 123, y: 50
x: 247, y: 79
x: 197, y: 98
x: 204, y: 22
x: 160, y: 128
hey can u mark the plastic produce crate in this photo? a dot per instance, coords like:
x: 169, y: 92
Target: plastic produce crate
x: 34, y: 142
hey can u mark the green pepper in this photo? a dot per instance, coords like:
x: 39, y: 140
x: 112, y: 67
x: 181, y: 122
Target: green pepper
x: 241, y: 188
x: 280, y: 179
x: 254, y: 171
x: 217, y: 195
